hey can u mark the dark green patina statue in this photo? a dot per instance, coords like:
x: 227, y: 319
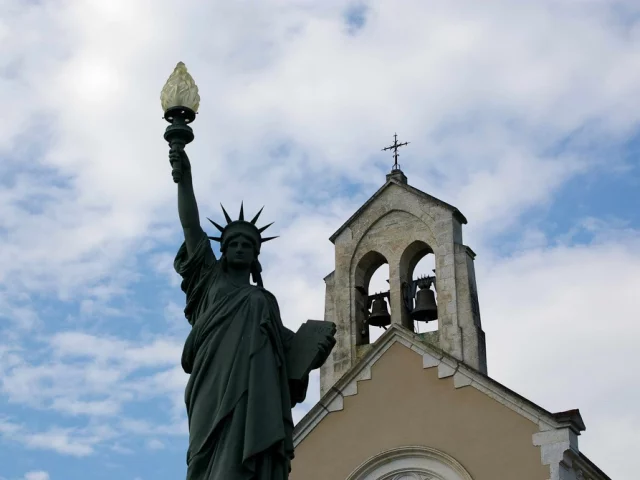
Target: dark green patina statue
x: 247, y: 369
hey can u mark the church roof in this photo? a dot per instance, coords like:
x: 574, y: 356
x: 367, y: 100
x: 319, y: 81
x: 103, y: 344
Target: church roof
x: 392, y: 179
x: 448, y: 366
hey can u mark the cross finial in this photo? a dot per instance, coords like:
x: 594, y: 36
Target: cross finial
x: 395, y: 147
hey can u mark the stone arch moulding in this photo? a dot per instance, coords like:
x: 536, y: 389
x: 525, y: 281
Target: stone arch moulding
x: 366, y: 266
x: 411, y: 256
x: 424, y: 233
x: 411, y: 463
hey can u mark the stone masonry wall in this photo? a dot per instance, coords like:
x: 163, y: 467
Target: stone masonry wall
x: 390, y: 225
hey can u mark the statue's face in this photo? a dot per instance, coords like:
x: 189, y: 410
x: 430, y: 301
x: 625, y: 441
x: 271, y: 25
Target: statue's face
x: 240, y: 252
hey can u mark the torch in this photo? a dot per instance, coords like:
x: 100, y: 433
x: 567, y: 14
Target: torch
x: 180, y: 101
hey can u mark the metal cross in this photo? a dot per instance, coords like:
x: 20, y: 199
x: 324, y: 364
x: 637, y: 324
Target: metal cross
x: 395, y: 147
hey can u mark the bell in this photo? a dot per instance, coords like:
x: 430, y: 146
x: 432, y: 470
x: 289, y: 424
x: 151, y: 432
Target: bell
x: 379, y: 316
x: 426, y: 308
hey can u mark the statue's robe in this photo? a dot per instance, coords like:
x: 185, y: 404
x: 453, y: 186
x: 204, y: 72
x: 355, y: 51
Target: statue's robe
x: 238, y: 396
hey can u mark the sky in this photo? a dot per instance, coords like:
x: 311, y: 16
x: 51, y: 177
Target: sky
x: 524, y: 115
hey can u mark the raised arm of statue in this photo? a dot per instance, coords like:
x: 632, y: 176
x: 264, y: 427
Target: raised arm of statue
x: 187, y: 205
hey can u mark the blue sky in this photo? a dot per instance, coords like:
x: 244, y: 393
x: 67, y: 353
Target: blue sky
x: 524, y: 116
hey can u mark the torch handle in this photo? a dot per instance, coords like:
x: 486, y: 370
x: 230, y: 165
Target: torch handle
x: 176, y: 171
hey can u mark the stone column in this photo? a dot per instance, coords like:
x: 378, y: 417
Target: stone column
x: 468, y: 309
x: 395, y: 302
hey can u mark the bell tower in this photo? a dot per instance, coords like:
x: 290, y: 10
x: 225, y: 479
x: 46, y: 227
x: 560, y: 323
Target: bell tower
x: 399, y: 225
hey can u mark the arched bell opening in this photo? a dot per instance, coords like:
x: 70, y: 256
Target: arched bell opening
x: 379, y: 311
x: 423, y: 321
x: 419, y: 289
x: 373, y: 314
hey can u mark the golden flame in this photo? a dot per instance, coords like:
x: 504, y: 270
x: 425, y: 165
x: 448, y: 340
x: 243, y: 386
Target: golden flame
x: 180, y: 90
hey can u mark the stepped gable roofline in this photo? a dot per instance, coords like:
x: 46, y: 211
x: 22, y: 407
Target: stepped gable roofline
x: 456, y: 213
x: 451, y: 366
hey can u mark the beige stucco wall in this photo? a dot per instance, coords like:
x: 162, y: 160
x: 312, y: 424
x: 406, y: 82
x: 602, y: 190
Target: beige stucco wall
x: 405, y: 404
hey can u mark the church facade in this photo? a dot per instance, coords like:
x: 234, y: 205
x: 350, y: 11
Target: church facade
x: 412, y: 406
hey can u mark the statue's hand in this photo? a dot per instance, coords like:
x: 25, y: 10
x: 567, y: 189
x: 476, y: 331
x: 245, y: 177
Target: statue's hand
x: 325, y: 346
x: 177, y: 154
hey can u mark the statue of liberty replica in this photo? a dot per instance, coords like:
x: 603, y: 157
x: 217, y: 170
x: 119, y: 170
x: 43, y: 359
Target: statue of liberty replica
x: 247, y: 370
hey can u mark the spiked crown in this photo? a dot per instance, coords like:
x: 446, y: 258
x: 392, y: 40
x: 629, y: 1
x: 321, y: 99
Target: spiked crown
x: 241, y: 227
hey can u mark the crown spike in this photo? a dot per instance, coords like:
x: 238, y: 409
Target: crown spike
x: 255, y: 219
x: 239, y: 224
x: 226, y: 215
x: 265, y: 227
x: 219, y: 227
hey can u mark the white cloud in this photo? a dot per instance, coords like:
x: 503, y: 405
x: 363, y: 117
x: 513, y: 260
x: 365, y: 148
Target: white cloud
x: 74, y: 442
x: 36, y: 475
x: 93, y: 378
x: 118, y: 448
x: 60, y: 441
x: 155, y: 444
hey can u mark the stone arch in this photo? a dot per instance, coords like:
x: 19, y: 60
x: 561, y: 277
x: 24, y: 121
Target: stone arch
x: 411, y: 463
x: 366, y: 266
x: 363, y: 271
x: 411, y: 255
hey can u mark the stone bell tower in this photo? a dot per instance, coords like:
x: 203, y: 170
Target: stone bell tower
x: 399, y: 225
